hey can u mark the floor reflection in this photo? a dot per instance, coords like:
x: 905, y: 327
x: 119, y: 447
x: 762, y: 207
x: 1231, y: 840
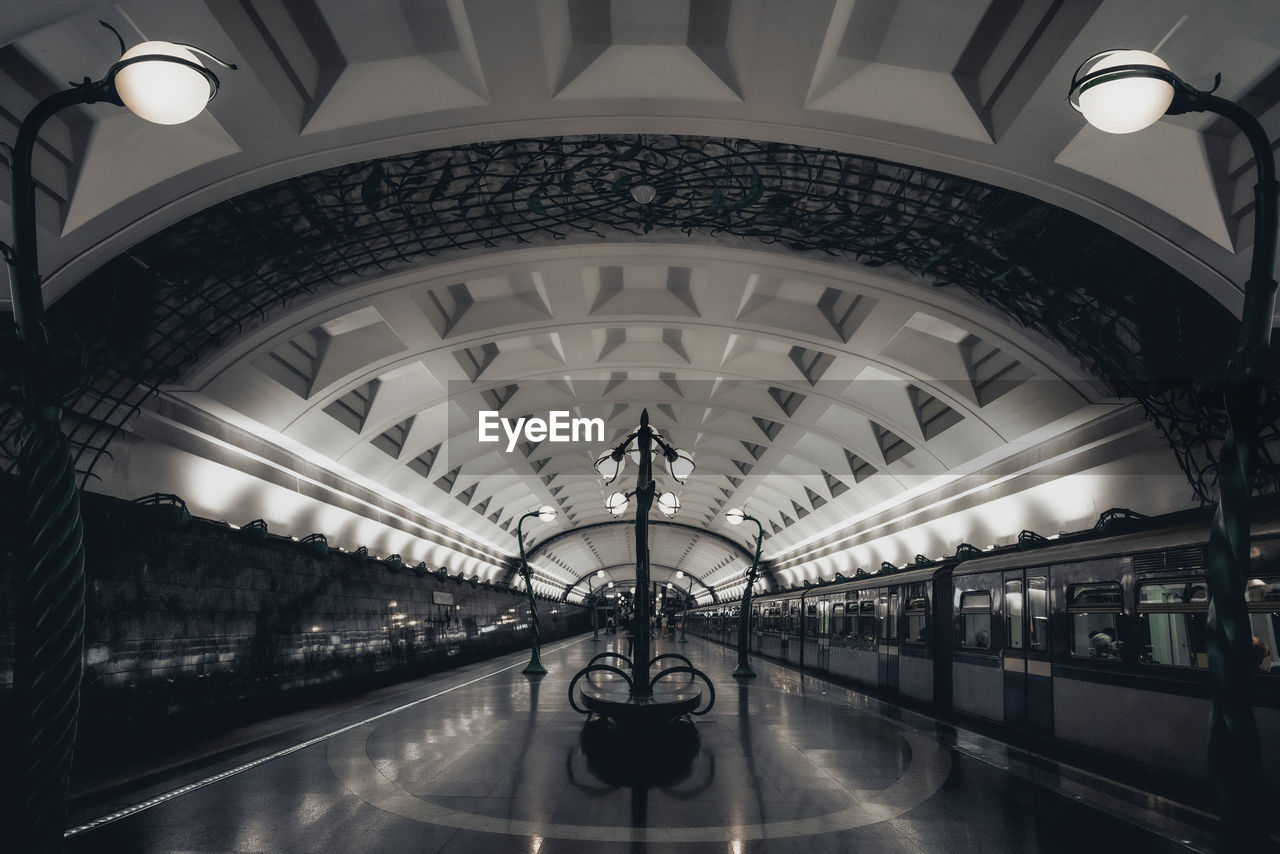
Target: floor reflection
x: 662, y: 759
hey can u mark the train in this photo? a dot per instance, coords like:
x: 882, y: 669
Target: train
x: 1094, y: 640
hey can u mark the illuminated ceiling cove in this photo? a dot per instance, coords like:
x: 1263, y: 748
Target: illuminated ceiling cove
x: 890, y: 292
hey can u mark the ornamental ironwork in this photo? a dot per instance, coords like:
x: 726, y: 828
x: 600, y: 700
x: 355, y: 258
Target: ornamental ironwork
x: 149, y: 315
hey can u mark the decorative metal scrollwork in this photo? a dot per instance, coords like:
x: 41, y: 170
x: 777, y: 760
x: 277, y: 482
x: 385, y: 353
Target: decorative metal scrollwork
x: 595, y: 668
x: 694, y: 673
x: 1134, y: 322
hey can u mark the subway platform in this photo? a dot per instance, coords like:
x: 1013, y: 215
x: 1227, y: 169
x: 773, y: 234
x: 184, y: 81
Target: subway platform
x: 483, y: 759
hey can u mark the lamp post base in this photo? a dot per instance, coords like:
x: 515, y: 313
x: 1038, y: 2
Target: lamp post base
x: 744, y: 671
x: 534, y: 667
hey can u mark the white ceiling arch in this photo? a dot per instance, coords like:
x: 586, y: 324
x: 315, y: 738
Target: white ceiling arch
x: 836, y: 403
x: 805, y: 426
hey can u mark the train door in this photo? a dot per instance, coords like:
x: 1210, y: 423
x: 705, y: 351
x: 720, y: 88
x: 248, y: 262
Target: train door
x: 943, y: 639
x: 887, y: 612
x: 824, y: 634
x: 1028, y: 686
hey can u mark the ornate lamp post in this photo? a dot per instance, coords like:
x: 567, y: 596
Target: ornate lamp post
x: 545, y: 513
x: 163, y: 83
x: 736, y: 516
x: 684, y: 610
x: 595, y: 616
x: 609, y: 465
x: 1121, y: 91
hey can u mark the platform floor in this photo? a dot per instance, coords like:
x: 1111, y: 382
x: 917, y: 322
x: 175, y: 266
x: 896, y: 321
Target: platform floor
x: 482, y: 759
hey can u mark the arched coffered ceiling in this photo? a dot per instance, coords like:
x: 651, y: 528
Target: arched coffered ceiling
x: 396, y: 216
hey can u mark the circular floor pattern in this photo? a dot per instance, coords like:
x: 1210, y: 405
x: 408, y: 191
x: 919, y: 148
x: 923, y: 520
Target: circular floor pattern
x: 349, y: 759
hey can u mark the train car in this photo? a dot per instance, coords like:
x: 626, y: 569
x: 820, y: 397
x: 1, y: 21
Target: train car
x: 877, y: 629
x: 1077, y: 639
x: 1083, y: 641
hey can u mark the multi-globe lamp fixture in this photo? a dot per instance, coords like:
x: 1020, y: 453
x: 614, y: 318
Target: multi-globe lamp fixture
x: 641, y: 446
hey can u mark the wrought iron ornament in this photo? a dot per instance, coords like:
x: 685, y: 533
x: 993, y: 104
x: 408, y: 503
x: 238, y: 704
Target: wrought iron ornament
x: 155, y: 311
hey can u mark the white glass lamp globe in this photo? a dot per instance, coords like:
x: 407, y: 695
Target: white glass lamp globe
x: 546, y: 513
x: 679, y: 573
x: 166, y: 93
x: 735, y: 516
x: 1124, y: 104
x: 681, y: 467
x: 616, y: 503
x: 609, y: 468
x: 669, y: 504
x: 599, y: 573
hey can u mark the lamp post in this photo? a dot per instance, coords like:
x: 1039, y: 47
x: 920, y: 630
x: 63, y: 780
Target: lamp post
x: 545, y: 513
x: 163, y: 83
x: 1121, y: 91
x: 609, y: 465
x: 595, y: 617
x: 736, y: 516
x: 684, y: 610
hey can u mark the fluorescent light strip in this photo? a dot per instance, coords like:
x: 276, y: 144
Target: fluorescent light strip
x: 191, y: 787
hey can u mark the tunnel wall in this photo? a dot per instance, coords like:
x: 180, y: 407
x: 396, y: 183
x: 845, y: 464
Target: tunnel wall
x: 188, y: 618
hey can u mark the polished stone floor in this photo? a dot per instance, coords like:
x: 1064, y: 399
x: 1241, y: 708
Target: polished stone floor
x: 483, y: 759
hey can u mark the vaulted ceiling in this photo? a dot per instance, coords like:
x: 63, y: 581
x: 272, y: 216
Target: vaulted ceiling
x: 890, y: 292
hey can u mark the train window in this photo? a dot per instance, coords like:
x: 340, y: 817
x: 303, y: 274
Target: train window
x: 917, y: 614
x: 1264, y: 619
x: 1038, y: 610
x: 866, y: 618
x: 1173, y: 621
x: 975, y: 619
x: 887, y: 613
x: 1173, y: 593
x: 839, y: 625
x: 1013, y: 614
x: 1095, y: 610
x: 1263, y: 590
x: 1177, y: 639
x: 811, y: 619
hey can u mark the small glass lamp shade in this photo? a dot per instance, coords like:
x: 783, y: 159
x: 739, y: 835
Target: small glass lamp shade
x: 608, y: 467
x: 546, y: 513
x: 616, y: 503
x: 669, y: 504
x: 1126, y: 100
x: 610, y: 585
x: 634, y: 453
x: 163, y: 92
x: 680, y: 466
x: 735, y: 516
x: 679, y: 573
x: 599, y: 573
